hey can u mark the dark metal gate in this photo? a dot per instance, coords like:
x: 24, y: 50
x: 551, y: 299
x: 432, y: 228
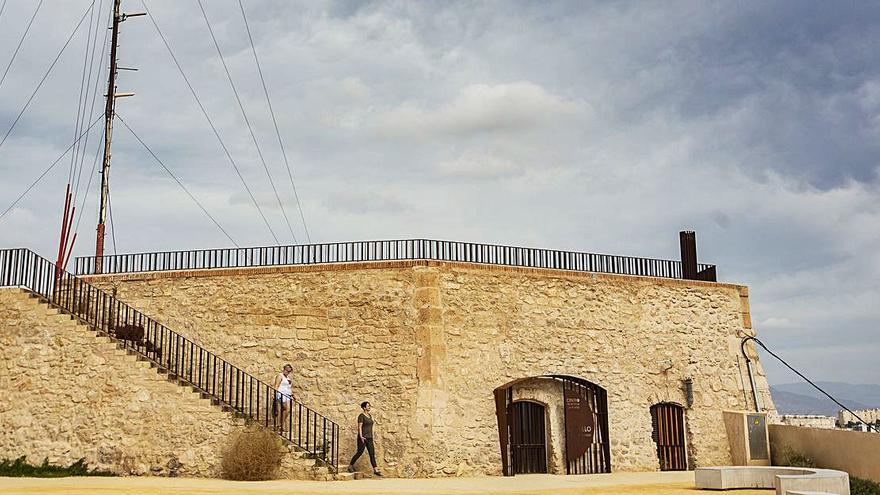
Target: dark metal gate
x: 586, y: 427
x: 668, y: 422
x: 528, y: 439
x: 587, y: 449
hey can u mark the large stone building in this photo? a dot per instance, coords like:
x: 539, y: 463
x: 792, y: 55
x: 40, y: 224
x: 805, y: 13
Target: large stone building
x: 846, y: 419
x: 477, y: 359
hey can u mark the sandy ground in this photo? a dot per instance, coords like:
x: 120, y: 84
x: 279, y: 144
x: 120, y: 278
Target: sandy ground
x: 670, y: 483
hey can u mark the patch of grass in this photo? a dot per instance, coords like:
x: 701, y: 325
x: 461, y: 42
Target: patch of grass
x: 860, y: 486
x: 19, y: 468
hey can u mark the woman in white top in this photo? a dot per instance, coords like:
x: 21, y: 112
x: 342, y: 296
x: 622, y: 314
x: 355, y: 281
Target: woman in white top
x: 283, y: 397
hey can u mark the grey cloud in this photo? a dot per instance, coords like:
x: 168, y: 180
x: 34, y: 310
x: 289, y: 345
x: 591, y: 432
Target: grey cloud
x: 595, y: 126
x: 478, y: 108
x: 358, y: 202
x: 473, y: 165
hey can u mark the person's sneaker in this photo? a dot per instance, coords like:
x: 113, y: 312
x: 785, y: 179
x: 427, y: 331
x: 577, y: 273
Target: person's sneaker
x: 350, y: 468
x: 377, y: 474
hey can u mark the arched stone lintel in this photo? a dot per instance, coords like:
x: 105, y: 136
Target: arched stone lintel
x: 578, y: 379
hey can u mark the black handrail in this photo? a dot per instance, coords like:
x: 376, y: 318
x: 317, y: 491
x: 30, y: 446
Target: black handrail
x: 387, y: 250
x: 189, y: 362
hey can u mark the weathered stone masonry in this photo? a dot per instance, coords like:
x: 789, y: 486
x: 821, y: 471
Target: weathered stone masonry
x: 427, y: 342
x: 66, y: 393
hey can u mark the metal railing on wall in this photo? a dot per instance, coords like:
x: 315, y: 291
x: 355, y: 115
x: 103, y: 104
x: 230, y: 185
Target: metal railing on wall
x: 224, y: 382
x: 389, y: 250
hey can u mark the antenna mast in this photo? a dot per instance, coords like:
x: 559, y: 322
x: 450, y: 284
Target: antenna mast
x: 108, y: 132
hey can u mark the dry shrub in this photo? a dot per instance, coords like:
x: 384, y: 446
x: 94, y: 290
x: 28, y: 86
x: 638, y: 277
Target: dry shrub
x: 253, y: 453
x: 785, y: 455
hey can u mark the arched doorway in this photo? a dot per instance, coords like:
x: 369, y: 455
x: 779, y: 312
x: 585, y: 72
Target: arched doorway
x: 667, y: 420
x: 528, y: 439
x: 583, y: 413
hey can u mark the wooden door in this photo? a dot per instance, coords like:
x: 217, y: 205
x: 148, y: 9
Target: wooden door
x: 668, y: 422
x: 528, y: 438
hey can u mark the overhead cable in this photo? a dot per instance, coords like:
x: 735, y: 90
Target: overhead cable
x: 112, y: 227
x: 49, y: 70
x: 95, y: 92
x: 798, y: 373
x: 49, y: 169
x: 275, y: 123
x: 88, y: 186
x: 246, y: 120
x: 82, y: 84
x: 20, y: 41
x: 179, y: 183
x: 210, y: 123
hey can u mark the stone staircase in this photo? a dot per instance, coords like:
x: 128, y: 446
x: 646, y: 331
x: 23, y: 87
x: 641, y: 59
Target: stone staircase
x: 296, y: 464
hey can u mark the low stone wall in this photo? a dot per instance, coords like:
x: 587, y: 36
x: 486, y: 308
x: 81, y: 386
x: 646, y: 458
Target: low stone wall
x: 67, y: 394
x: 857, y: 453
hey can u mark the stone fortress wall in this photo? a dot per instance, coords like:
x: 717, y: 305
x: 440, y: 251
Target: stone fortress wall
x: 427, y: 343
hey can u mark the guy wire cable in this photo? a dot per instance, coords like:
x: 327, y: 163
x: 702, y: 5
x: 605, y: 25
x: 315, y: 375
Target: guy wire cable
x: 28, y: 28
x: 43, y: 80
x: 49, y: 169
x: 246, y: 120
x: 275, y: 123
x: 210, y: 122
x: 179, y: 183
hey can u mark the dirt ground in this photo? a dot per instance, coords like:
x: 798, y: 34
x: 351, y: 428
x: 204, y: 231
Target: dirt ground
x: 669, y: 483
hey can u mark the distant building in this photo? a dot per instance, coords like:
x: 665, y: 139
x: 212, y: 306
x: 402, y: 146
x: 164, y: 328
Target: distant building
x: 848, y: 420
x: 808, y: 420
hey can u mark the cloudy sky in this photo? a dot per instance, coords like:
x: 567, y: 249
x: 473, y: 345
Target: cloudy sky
x: 592, y: 126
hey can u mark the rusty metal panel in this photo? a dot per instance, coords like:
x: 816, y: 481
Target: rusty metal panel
x: 501, y: 403
x: 688, y: 241
x: 580, y: 423
x: 596, y: 458
x: 708, y: 274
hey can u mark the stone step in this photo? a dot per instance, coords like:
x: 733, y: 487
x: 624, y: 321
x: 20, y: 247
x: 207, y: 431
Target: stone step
x: 346, y: 476
x: 294, y: 453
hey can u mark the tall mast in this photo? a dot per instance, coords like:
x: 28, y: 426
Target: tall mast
x: 108, y: 133
x: 108, y: 130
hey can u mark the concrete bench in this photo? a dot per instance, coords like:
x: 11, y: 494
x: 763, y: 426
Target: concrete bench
x: 785, y: 480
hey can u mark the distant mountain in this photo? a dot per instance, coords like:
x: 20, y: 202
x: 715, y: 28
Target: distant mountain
x: 789, y: 403
x: 801, y: 398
